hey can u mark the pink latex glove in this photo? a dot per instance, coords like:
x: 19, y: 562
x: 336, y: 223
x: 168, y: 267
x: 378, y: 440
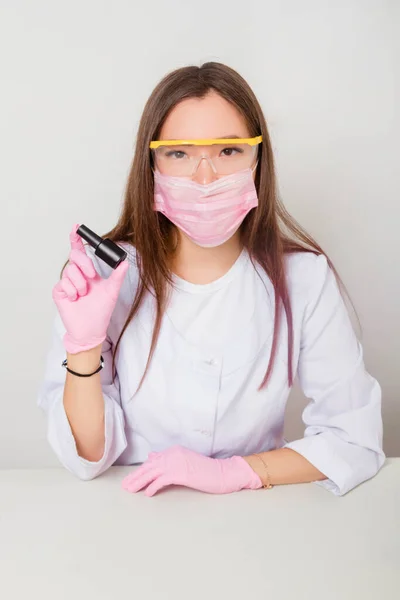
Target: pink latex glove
x: 85, y: 300
x: 179, y: 466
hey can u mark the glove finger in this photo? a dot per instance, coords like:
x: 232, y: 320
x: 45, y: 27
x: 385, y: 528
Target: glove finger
x: 159, y: 483
x: 76, y: 240
x: 58, y: 292
x: 83, y: 261
x: 116, y: 278
x: 143, y: 481
x: 138, y: 473
x: 153, y: 455
x: 68, y: 287
x: 74, y: 274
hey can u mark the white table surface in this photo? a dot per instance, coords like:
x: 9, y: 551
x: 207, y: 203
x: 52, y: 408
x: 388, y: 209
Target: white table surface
x: 64, y: 538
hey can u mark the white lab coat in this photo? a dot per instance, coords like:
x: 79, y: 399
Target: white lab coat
x: 206, y: 397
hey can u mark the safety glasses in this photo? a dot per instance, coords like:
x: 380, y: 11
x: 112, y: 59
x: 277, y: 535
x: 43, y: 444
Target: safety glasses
x: 181, y: 158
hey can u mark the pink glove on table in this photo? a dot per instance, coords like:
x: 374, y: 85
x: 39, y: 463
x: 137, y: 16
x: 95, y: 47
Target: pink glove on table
x: 85, y: 300
x: 179, y: 466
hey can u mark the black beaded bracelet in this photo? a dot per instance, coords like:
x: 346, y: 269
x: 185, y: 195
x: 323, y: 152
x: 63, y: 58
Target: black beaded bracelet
x: 64, y: 364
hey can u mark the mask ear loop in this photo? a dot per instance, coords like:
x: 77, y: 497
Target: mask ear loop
x: 255, y: 167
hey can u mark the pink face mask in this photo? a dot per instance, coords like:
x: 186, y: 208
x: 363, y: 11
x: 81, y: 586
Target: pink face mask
x: 208, y: 214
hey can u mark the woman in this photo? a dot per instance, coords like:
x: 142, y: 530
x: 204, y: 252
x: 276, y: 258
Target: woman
x: 223, y: 299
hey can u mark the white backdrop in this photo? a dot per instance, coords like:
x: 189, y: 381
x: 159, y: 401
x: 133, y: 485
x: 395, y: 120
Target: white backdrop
x: 74, y: 78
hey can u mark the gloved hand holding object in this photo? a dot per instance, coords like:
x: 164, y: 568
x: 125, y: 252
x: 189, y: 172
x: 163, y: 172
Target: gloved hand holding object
x: 85, y: 300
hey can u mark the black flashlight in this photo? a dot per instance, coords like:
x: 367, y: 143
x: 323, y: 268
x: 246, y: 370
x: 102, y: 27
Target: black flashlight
x: 103, y: 248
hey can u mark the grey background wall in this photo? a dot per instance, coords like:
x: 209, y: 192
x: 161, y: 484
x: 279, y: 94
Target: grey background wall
x: 75, y: 76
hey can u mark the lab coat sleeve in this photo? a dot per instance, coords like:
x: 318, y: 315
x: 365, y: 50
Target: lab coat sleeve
x: 343, y: 435
x: 59, y: 432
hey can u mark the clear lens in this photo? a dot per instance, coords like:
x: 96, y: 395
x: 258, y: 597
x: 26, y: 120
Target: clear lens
x: 183, y: 161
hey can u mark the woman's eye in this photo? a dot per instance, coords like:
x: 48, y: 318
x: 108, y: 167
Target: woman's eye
x: 175, y: 154
x: 231, y: 151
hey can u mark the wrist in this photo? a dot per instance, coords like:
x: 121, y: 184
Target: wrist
x: 73, y: 346
x: 249, y: 478
x: 255, y: 464
x: 260, y: 467
x: 86, y: 361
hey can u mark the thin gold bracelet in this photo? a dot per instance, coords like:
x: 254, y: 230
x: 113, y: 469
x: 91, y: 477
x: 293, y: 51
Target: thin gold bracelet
x: 268, y: 485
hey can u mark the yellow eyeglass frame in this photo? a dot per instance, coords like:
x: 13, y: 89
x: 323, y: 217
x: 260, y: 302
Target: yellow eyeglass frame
x: 254, y: 141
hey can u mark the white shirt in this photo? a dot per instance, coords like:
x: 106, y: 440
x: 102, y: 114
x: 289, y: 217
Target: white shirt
x: 201, y: 390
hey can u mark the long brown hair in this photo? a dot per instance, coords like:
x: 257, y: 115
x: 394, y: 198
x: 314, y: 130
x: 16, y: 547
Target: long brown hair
x: 268, y: 232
